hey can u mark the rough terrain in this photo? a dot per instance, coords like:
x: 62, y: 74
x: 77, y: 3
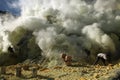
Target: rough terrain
x: 75, y: 72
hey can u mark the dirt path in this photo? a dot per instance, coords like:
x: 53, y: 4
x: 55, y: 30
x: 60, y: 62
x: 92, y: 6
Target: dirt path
x: 75, y: 72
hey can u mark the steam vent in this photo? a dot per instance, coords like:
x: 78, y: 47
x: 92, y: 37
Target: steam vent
x: 60, y: 40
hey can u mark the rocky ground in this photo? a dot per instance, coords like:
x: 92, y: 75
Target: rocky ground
x: 75, y: 72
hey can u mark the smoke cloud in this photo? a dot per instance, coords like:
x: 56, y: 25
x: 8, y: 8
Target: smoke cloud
x: 69, y: 26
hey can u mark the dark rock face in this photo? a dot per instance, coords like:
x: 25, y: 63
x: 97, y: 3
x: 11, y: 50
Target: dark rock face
x: 3, y: 12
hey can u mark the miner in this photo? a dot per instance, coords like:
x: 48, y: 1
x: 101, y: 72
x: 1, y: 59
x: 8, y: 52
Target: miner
x: 104, y: 57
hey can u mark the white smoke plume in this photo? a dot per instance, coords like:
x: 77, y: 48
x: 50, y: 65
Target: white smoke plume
x: 97, y: 35
x: 105, y: 5
x: 70, y: 25
x: 5, y: 19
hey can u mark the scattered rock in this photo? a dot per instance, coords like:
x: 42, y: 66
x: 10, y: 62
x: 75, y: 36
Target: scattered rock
x: 95, y: 75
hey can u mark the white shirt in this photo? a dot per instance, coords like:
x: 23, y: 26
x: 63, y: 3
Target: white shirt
x: 102, y: 55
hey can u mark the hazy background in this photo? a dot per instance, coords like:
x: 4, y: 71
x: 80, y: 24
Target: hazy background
x: 74, y: 27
